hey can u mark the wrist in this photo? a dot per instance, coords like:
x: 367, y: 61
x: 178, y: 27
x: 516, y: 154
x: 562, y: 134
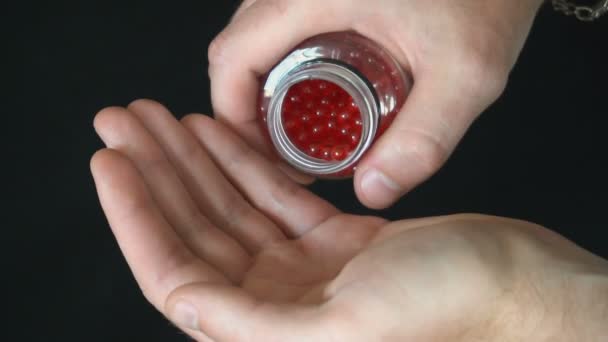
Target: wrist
x: 586, y: 311
x: 573, y: 308
x: 556, y: 305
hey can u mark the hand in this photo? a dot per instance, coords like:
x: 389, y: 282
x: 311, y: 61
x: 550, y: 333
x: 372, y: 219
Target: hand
x: 459, y: 52
x: 231, y: 249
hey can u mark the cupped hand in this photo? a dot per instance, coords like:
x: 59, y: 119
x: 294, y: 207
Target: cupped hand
x: 231, y: 249
x: 459, y: 52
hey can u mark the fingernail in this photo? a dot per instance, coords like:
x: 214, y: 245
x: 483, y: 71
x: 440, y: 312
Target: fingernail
x: 185, y: 315
x: 378, y: 188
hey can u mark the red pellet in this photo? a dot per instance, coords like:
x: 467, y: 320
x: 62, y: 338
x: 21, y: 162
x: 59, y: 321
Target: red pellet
x: 322, y: 120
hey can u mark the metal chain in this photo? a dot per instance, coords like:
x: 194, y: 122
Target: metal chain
x: 583, y: 13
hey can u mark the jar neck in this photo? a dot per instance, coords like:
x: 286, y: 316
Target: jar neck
x: 354, y: 84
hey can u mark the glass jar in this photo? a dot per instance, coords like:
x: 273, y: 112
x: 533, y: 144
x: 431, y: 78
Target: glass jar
x: 323, y: 106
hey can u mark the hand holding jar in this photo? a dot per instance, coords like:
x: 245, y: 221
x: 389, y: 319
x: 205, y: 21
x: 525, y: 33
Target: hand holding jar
x: 442, y: 63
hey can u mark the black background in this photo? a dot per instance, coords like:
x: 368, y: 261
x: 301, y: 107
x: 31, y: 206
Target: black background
x: 537, y: 154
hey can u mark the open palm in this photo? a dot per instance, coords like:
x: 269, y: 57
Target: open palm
x: 211, y: 210
x: 232, y: 249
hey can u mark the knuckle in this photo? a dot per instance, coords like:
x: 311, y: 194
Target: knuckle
x: 284, y: 190
x: 483, y: 73
x: 277, y: 7
x: 235, y: 210
x: 189, y: 150
x: 238, y: 156
x: 422, y: 149
x: 153, y: 163
x: 217, y: 48
x: 218, y: 53
x: 133, y: 208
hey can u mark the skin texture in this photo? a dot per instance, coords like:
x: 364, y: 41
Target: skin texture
x: 459, y: 53
x: 231, y: 249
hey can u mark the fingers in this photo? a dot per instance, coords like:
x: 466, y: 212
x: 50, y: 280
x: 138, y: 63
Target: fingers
x: 213, y: 193
x: 436, y: 115
x: 251, y: 45
x: 156, y: 255
x: 225, y: 313
x: 296, y: 209
x: 234, y: 69
x: 121, y: 130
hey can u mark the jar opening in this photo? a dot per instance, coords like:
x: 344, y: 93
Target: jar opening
x: 322, y: 120
x: 323, y: 117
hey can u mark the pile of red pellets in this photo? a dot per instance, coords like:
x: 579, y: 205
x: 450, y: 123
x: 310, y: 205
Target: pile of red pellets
x: 322, y: 120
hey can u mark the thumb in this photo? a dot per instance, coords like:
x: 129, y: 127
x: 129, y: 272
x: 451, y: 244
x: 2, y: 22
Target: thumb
x: 423, y: 135
x: 226, y: 313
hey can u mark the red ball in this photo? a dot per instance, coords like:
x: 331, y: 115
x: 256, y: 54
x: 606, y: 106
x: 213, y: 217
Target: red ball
x: 317, y: 121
